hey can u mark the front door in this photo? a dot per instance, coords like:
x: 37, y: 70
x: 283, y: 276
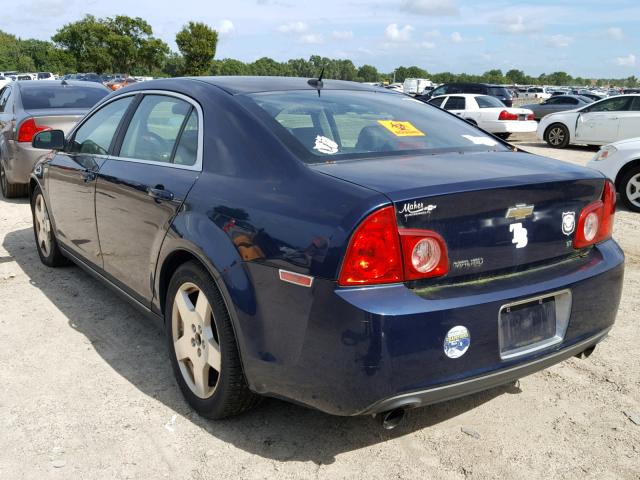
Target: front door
x: 140, y: 189
x: 71, y: 180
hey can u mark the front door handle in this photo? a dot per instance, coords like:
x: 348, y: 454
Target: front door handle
x: 88, y: 176
x: 160, y: 194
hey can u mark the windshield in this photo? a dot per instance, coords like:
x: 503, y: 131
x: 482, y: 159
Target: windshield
x: 43, y: 97
x: 499, y: 92
x: 341, y: 125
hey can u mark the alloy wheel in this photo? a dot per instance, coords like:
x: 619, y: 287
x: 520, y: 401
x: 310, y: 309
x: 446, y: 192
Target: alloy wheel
x: 43, y: 225
x: 556, y: 136
x: 195, y: 340
x: 633, y: 190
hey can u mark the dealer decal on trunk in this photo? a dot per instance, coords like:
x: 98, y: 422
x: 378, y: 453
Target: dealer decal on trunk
x: 416, y: 208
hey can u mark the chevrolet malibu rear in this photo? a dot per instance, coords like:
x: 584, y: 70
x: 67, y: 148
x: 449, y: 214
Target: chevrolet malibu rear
x: 335, y: 245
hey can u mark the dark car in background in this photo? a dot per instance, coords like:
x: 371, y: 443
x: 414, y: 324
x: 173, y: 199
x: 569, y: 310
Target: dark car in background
x: 329, y: 242
x: 27, y: 108
x: 559, y: 103
x: 497, y: 91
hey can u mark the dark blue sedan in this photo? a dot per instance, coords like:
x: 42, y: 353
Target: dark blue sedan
x: 329, y: 243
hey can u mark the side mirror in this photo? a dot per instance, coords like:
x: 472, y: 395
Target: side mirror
x: 49, y: 140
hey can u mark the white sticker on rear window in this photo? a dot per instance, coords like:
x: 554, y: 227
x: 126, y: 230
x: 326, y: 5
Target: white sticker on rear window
x: 481, y: 140
x: 325, y: 145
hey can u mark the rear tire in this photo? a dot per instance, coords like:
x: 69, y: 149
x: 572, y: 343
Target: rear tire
x: 557, y: 136
x: 11, y: 190
x: 630, y: 189
x: 46, y: 243
x: 202, y: 346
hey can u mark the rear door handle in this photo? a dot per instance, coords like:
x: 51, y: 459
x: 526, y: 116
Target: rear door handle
x: 160, y: 194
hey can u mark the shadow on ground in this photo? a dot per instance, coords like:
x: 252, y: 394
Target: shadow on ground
x: 135, y: 348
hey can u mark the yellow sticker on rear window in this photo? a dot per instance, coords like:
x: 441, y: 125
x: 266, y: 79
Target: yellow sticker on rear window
x: 401, y: 129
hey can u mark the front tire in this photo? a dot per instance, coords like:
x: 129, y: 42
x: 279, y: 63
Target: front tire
x: 11, y: 190
x: 630, y: 189
x: 46, y: 243
x: 557, y: 136
x: 202, y: 346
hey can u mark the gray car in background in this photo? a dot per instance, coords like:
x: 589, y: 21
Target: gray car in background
x: 27, y: 108
x: 559, y: 103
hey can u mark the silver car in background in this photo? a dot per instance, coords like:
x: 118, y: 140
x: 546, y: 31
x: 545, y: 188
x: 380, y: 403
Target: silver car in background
x: 27, y: 108
x: 559, y: 103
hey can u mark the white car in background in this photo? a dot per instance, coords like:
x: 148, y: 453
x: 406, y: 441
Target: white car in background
x: 537, y: 92
x: 599, y: 123
x: 488, y: 113
x: 620, y: 162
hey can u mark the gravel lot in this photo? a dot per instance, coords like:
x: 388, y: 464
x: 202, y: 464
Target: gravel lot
x: 87, y: 392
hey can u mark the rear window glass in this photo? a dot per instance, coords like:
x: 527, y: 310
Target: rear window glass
x: 37, y: 98
x: 485, y: 101
x: 498, y: 92
x: 340, y: 125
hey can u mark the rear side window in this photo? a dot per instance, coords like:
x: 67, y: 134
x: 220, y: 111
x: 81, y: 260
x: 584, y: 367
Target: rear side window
x: 187, y: 149
x: 612, y: 105
x: 4, y: 98
x: 155, y: 128
x: 635, y: 106
x: 437, y: 101
x: 485, y: 101
x: 59, y: 96
x: 499, y: 92
x: 95, y: 135
x: 455, y: 103
x: 344, y: 125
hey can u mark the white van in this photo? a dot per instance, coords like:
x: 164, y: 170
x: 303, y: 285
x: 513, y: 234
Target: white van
x: 416, y: 86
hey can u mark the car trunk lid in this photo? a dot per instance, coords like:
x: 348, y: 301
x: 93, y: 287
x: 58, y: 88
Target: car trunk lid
x: 496, y: 211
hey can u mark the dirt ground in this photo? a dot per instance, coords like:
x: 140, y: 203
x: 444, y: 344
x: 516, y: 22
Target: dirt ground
x: 87, y: 392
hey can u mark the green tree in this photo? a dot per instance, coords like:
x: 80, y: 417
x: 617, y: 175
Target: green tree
x: 197, y: 42
x: 516, y: 77
x: 173, y: 65
x: 86, y: 41
x: 368, y: 73
x: 229, y: 66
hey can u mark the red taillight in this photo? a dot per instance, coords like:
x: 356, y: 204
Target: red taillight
x: 531, y: 116
x: 596, y: 219
x: 504, y: 115
x: 377, y: 248
x: 425, y: 254
x: 28, y: 129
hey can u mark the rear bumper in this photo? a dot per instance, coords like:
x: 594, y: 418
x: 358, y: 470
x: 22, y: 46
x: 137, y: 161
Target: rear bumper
x: 524, y: 126
x: 469, y: 386
x: 353, y: 351
x: 19, y: 166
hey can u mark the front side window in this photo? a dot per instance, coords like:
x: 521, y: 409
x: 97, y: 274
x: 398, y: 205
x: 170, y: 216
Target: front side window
x: 612, y: 105
x: 443, y: 90
x: 155, y: 127
x: 95, y: 135
x: 437, y: 101
x: 345, y: 125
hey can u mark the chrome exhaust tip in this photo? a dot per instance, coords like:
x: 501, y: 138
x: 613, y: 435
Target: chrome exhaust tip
x: 587, y: 353
x: 392, y: 418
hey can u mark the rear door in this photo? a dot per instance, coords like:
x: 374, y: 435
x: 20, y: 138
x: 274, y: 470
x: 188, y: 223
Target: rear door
x: 71, y: 180
x: 139, y: 190
x: 601, y: 122
x: 630, y: 121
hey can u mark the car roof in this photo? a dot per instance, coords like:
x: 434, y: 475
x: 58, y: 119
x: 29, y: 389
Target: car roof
x: 240, y: 85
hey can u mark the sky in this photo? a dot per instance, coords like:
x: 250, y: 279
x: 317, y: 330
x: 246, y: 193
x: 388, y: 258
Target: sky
x: 582, y: 37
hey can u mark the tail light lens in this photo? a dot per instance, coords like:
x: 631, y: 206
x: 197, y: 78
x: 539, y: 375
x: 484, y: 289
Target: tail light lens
x: 531, y: 116
x: 504, y: 115
x: 379, y: 253
x: 28, y: 129
x: 596, y: 219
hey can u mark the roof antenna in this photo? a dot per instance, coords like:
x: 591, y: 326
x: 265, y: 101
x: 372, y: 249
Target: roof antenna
x: 317, y: 82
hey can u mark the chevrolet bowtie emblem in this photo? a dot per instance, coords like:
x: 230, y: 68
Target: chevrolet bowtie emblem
x: 520, y: 211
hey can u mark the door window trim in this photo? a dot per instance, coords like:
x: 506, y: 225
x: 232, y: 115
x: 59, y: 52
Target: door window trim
x: 126, y: 120
x: 196, y: 167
